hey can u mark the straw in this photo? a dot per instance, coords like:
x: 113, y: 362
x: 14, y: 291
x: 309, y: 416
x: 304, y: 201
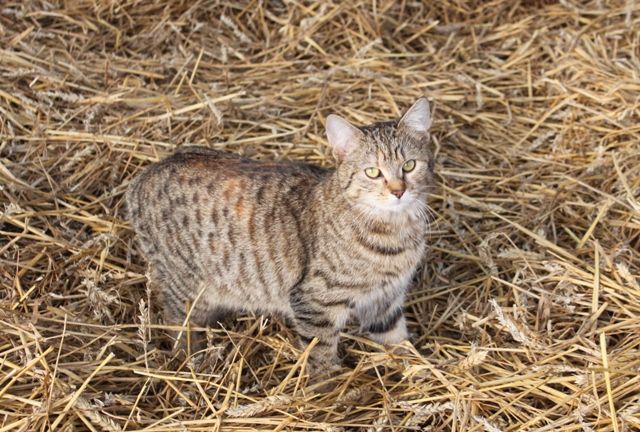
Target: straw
x: 534, y: 249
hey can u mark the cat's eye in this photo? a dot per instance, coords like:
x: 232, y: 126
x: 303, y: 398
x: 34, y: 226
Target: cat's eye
x: 372, y: 172
x: 409, y: 165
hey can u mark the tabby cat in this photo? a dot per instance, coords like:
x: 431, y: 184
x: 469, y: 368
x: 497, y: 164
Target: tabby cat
x: 319, y: 246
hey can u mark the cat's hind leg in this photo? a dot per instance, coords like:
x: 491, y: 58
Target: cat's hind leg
x: 183, y: 309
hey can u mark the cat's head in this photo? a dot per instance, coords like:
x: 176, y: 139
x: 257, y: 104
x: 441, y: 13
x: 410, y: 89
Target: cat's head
x: 385, y: 167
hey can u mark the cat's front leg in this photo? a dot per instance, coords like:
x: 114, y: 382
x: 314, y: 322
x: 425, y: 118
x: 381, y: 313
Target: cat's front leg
x: 385, y: 323
x: 314, y: 320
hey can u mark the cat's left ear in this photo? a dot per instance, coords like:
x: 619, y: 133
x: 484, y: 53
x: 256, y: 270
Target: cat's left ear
x: 418, y: 118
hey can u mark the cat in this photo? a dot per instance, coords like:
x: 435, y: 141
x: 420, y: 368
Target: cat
x: 319, y: 246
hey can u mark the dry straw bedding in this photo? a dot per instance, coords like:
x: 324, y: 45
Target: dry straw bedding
x: 526, y: 314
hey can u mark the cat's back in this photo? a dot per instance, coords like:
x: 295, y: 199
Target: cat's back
x: 209, y: 214
x: 192, y: 173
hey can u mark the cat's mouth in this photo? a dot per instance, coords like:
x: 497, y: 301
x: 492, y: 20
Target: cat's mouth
x: 396, y: 205
x: 392, y: 204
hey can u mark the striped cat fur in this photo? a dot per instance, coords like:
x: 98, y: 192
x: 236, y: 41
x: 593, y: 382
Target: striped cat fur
x: 320, y: 246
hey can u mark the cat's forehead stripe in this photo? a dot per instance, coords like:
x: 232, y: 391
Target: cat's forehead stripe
x: 384, y: 139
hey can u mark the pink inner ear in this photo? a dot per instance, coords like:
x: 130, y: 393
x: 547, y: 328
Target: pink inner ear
x: 339, y: 154
x: 342, y: 136
x: 418, y: 117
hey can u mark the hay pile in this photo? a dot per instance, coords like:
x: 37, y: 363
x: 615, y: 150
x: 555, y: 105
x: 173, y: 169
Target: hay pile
x: 526, y: 315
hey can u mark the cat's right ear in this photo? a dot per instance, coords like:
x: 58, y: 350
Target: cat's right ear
x: 343, y: 137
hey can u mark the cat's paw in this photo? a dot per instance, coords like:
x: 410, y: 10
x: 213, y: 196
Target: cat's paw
x: 322, y: 376
x: 394, y: 336
x: 402, y: 349
x: 323, y: 364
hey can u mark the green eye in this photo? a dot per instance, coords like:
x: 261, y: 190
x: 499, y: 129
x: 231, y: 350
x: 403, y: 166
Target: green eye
x: 372, y: 172
x: 409, y: 165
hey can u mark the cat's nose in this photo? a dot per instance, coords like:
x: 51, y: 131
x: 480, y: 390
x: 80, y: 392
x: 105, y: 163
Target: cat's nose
x: 397, y: 192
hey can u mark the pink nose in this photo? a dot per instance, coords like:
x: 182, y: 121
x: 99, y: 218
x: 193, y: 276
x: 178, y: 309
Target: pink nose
x: 398, y: 193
